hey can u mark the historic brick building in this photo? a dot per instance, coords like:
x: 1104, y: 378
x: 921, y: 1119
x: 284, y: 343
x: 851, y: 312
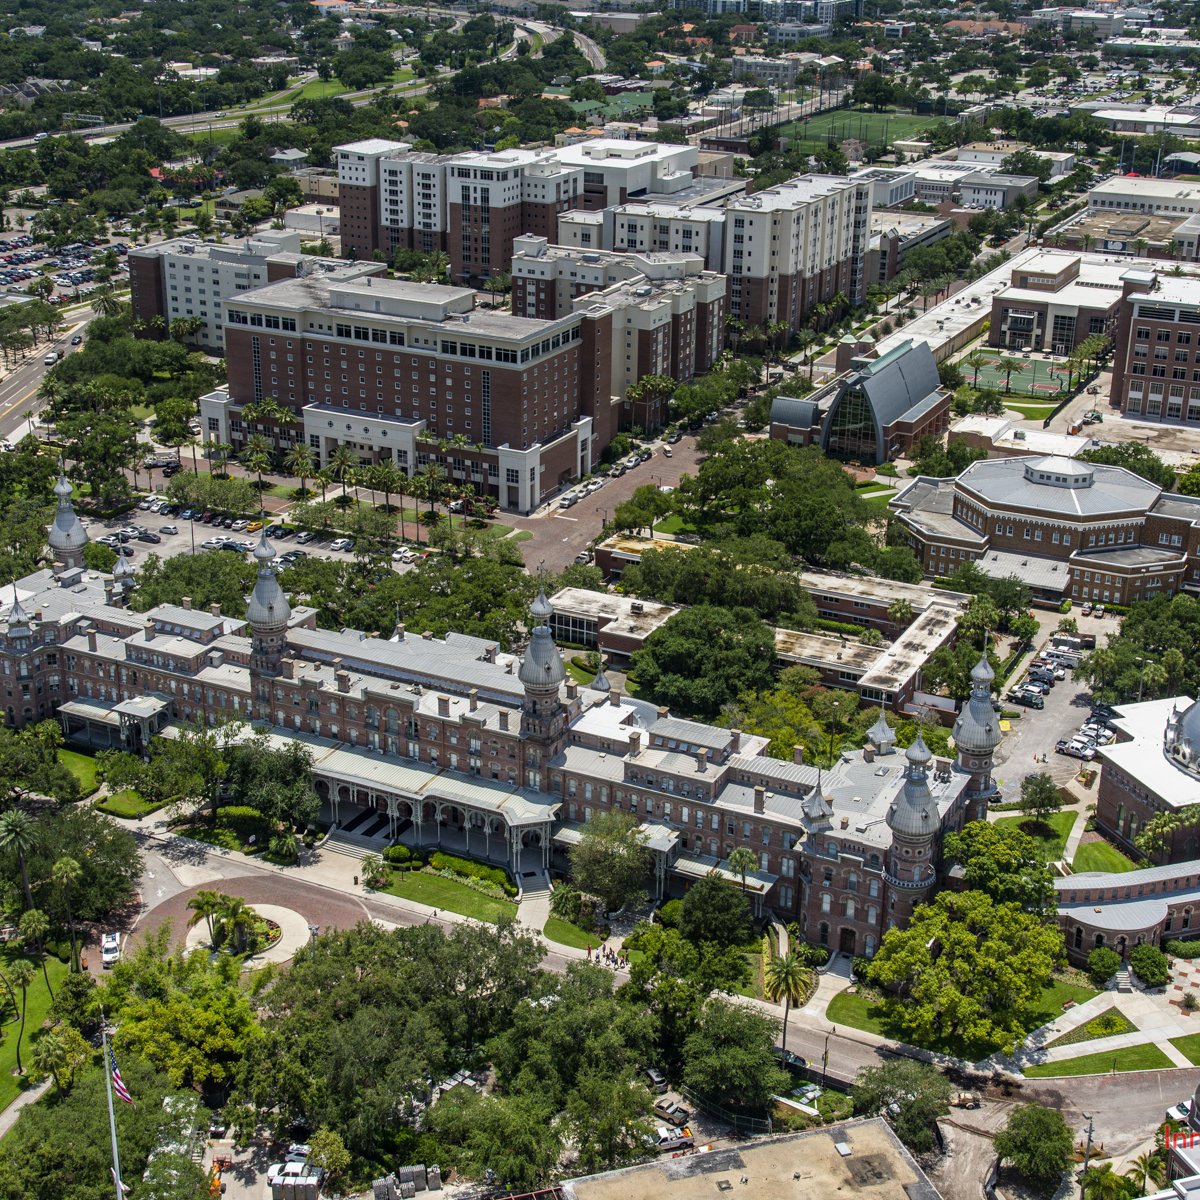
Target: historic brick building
x: 455, y: 742
x: 1069, y: 529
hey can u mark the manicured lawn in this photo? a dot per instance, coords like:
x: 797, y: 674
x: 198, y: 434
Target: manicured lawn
x: 37, y: 1003
x: 438, y: 892
x: 1033, y: 412
x: 674, y: 524
x: 520, y: 535
x: 1051, y: 843
x: 861, y: 1012
x: 126, y: 804
x: 1100, y: 856
x: 1131, y: 1058
x: 1110, y: 1023
x: 1188, y: 1046
x: 82, y: 766
x: 581, y: 675
x: 567, y: 934
x: 870, y: 128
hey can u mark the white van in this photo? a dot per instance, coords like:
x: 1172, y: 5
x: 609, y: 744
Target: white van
x: 51, y: 358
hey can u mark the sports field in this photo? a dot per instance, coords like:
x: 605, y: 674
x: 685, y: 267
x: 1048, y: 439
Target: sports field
x: 1038, y: 378
x: 870, y: 128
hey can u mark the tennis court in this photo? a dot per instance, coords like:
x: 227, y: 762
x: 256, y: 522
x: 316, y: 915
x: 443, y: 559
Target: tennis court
x: 1038, y: 378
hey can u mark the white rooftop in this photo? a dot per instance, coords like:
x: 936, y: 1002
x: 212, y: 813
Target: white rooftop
x: 1142, y: 757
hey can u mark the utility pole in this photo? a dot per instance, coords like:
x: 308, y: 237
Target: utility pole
x: 1087, y: 1155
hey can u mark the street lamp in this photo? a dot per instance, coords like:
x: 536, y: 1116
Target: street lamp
x: 313, y: 931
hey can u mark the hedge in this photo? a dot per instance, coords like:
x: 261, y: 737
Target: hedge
x: 1178, y: 949
x: 828, y: 626
x: 473, y: 870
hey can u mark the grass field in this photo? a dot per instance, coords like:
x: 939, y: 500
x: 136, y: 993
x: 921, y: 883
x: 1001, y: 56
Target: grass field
x: 1031, y: 412
x: 1131, y: 1058
x: 1188, y: 1046
x: 862, y: 1012
x: 37, y: 1003
x: 82, y: 766
x: 674, y: 524
x: 1100, y: 856
x: 126, y: 804
x: 216, y: 137
x: 870, y: 128
x: 567, y: 934
x: 445, y: 893
x: 1051, y: 843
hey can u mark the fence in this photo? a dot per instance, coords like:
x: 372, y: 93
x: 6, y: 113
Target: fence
x: 740, y: 1122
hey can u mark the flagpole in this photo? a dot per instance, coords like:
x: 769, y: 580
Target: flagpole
x: 112, y: 1120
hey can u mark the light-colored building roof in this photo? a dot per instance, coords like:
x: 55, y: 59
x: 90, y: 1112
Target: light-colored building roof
x: 1059, y: 487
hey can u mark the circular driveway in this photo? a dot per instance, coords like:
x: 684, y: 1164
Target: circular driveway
x: 316, y: 905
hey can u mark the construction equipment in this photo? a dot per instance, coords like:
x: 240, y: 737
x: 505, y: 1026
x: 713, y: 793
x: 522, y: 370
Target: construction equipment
x: 215, y: 1186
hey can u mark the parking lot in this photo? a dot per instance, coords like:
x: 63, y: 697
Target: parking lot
x: 142, y: 532
x: 72, y: 268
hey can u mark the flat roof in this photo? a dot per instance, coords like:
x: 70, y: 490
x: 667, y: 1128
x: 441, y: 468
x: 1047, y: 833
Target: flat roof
x: 1047, y: 573
x: 1142, y: 757
x: 614, y: 612
x: 851, y: 1157
x: 819, y: 649
x: 883, y: 591
x: 801, y: 190
x: 1159, y: 189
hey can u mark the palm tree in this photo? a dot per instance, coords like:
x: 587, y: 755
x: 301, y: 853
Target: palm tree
x: 205, y: 905
x: 50, y: 1057
x: 806, y: 339
x: 18, y: 834
x: 300, y: 462
x: 65, y: 874
x: 743, y: 860
x: 237, y: 920
x: 977, y: 360
x: 1012, y: 366
x: 433, y: 476
x: 33, y: 927
x: 402, y: 486
x: 324, y: 477
x: 105, y: 301
x: 21, y: 974
x: 256, y: 457
x: 341, y: 462
x: 1102, y: 1183
x: 1147, y: 1173
x: 786, y: 978
x: 900, y: 612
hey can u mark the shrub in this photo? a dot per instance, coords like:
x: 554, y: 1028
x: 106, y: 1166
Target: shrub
x: 1150, y: 965
x: 670, y: 912
x: 1178, y: 949
x: 1106, y: 1024
x: 1065, y: 606
x: 397, y: 854
x: 1103, y: 964
x: 887, y: 468
x: 859, y: 968
x: 1191, y: 1002
x: 473, y: 870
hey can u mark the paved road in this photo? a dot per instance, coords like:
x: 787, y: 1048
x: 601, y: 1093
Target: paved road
x: 590, y: 50
x: 559, y: 535
x: 20, y: 386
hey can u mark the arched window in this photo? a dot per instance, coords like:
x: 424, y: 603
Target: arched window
x: 823, y: 933
x: 849, y: 909
x: 852, y: 882
x: 869, y: 945
x: 1099, y: 940
x: 1078, y: 937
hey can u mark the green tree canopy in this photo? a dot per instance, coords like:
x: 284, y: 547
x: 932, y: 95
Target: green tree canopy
x: 1004, y: 862
x: 611, y: 859
x: 730, y: 1056
x: 912, y: 1095
x: 1038, y: 1143
x: 704, y: 657
x: 716, y: 911
x: 966, y: 968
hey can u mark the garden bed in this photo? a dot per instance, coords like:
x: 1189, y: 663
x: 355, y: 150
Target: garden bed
x: 1110, y: 1023
x: 128, y: 805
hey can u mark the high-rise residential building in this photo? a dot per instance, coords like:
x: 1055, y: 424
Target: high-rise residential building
x: 801, y: 243
x: 472, y: 205
x: 414, y: 373
x: 188, y: 278
x: 1156, y: 355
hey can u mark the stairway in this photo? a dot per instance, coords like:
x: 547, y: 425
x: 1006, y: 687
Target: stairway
x: 1124, y: 981
x: 535, y: 885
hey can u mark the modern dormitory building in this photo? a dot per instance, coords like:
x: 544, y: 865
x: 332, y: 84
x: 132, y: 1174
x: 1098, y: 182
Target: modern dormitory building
x: 472, y: 205
x: 455, y: 742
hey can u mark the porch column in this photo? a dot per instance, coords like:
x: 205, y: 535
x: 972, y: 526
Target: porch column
x: 392, y: 815
x: 467, y: 814
x: 546, y: 846
x: 438, y: 809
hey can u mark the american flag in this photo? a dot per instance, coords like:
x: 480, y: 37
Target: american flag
x: 117, y: 1082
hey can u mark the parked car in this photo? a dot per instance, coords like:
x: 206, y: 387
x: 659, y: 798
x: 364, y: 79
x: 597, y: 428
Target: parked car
x: 254, y: 526
x: 655, y: 1081
x: 666, y: 1138
x: 672, y: 1113
x: 168, y: 529
x: 145, y: 502
x: 1179, y: 1112
x: 345, y: 544
x: 675, y: 438
x: 110, y: 540
x: 583, y: 557
x: 212, y: 544
x: 147, y: 536
x: 77, y: 340
x: 110, y: 949
x: 305, y: 536
x: 1027, y: 699
x: 239, y: 525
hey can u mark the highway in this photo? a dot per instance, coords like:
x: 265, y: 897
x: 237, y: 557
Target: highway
x: 20, y: 386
